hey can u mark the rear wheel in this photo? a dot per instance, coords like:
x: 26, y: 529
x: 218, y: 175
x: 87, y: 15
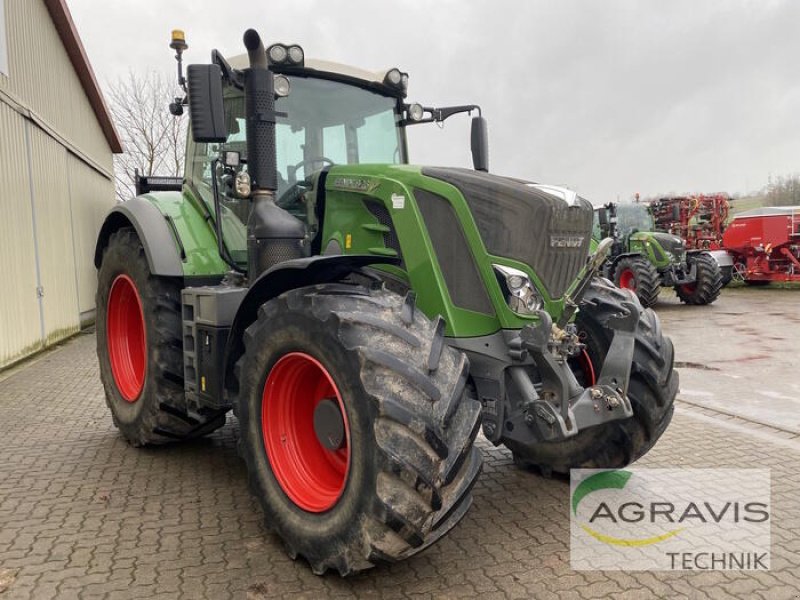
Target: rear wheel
x: 652, y: 390
x: 140, y: 350
x: 707, y: 285
x: 356, y: 426
x: 638, y: 274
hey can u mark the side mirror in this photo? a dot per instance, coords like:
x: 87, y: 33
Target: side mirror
x: 205, y: 103
x: 602, y: 216
x: 479, y: 139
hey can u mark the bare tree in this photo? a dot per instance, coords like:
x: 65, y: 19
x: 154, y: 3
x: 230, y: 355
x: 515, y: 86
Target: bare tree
x: 153, y: 139
x: 783, y: 190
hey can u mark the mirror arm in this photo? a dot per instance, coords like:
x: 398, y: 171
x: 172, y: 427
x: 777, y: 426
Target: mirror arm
x: 440, y: 114
x: 229, y: 74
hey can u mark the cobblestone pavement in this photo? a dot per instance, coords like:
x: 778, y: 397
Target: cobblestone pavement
x: 83, y: 515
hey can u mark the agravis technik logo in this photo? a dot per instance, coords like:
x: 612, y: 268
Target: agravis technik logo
x: 687, y: 519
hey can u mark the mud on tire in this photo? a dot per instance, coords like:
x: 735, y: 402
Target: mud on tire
x: 652, y: 390
x: 158, y: 414
x: 410, y: 420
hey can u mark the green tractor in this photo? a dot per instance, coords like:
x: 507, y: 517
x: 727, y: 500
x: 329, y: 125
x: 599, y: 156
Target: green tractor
x: 363, y: 318
x: 643, y: 260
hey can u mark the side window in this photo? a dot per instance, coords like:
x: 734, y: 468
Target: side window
x: 289, y: 144
x: 596, y: 232
x: 3, y: 40
x: 372, y: 136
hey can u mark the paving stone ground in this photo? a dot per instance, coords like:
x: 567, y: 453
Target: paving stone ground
x: 82, y: 515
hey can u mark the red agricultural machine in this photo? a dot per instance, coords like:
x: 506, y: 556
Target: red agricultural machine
x: 765, y: 245
x: 700, y: 220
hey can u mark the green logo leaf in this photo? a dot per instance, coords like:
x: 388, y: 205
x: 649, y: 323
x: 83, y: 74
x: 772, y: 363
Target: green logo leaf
x: 599, y: 481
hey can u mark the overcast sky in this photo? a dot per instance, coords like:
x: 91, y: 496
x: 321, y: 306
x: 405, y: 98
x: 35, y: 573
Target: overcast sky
x: 608, y: 98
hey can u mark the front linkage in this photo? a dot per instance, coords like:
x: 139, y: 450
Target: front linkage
x: 565, y: 406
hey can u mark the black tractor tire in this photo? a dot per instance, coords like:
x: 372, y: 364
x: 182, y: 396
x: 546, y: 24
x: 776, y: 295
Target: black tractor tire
x: 707, y: 285
x: 155, y: 410
x: 411, y: 420
x: 652, y: 390
x: 638, y: 274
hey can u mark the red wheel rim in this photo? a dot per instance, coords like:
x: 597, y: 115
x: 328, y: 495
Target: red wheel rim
x: 311, y: 475
x: 587, y: 367
x: 125, y: 335
x: 688, y: 288
x: 627, y: 280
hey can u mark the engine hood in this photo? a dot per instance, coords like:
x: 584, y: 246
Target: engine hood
x: 670, y: 243
x: 544, y: 227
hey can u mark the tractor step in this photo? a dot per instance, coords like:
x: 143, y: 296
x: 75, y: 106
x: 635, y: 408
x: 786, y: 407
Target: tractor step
x: 207, y: 315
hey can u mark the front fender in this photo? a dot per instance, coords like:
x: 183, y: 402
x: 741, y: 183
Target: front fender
x: 281, y: 278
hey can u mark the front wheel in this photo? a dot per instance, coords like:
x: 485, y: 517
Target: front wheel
x: 652, y: 390
x: 707, y: 284
x: 356, y: 426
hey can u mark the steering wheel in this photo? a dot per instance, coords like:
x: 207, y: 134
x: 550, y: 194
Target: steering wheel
x: 292, y: 198
x: 292, y: 170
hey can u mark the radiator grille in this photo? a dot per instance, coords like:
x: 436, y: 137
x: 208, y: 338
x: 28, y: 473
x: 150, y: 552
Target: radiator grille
x: 460, y: 272
x: 521, y: 222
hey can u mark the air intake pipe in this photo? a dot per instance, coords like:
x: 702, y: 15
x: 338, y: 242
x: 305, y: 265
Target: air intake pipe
x: 273, y: 235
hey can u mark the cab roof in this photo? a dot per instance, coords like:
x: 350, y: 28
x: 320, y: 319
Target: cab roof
x: 325, y: 67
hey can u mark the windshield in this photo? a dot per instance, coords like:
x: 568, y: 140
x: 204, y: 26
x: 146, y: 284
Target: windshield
x: 326, y: 122
x: 632, y: 218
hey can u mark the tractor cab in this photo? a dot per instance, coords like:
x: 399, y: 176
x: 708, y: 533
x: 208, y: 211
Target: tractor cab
x: 326, y: 114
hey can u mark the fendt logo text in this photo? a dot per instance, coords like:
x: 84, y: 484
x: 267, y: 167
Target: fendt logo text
x: 566, y: 241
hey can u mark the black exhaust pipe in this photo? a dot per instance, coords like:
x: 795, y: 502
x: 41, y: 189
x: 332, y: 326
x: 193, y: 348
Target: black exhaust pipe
x: 259, y: 103
x: 273, y: 235
x: 255, y: 50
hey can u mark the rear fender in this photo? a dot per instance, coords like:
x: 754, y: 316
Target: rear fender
x: 153, y: 228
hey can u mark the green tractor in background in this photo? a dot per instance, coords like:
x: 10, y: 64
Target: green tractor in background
x: 643, y: 260
x: 362, y: 317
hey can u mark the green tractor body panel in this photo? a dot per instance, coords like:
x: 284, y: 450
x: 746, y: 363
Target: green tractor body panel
x: 195, y: 240
x: 647, y: 244
x: 350, y: 226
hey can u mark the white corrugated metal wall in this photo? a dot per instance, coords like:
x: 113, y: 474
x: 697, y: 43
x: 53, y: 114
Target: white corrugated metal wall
x: 20, y: 323
x: 56, y: 185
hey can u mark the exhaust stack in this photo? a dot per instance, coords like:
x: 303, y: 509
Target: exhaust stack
x: 273, y: 235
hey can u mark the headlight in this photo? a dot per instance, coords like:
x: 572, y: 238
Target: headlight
x: 296, y: 55
x: 521, y: 294
x: 394, y: 77
x: 277, y: 53
x: 415, y: 112
x: 282, y: 86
